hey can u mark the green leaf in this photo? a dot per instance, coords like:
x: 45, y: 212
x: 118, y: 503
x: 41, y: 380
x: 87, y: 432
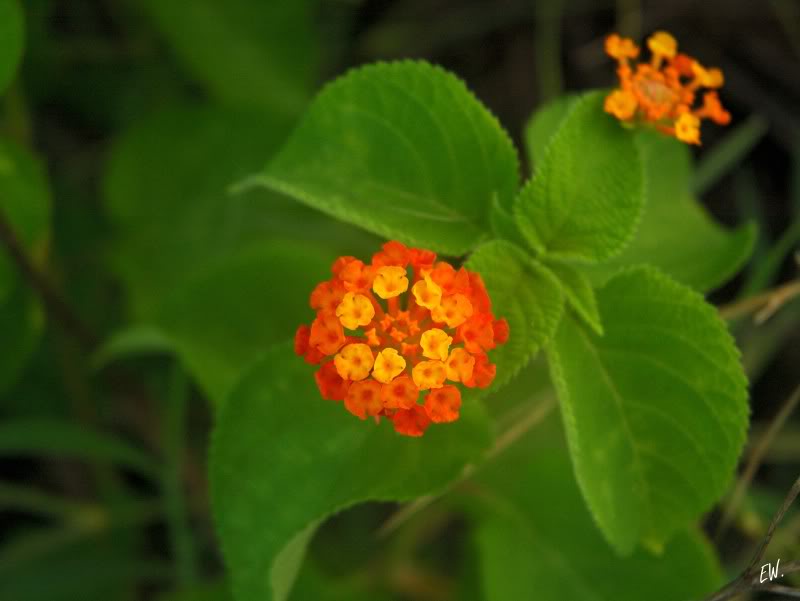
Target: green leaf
x: 167, y: 188
x: 535, y: 508
x: 258, y: 54
x: 676, y: 233
x: 543, y: 125
x: 579, y: 293
x: 587, y: 193
x: 25, y: 205
x: 282, y: 459
x: 12, y: 34
x: 403, y: 150
x: 523, y: 292
x: 132, y: 341
x: 45, y: 436
x: 224, y: 319
x: 655, y: 410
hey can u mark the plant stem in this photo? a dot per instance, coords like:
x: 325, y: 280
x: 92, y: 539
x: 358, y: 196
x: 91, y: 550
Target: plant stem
x: 756, y: 457
x: 56, y: 307
x: 748, y: 580
x: 174, y: 499
x: 764, y: 305
x: 505, y: 440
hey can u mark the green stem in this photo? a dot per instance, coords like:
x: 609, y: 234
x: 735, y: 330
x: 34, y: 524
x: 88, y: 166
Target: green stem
x: 30, y: 500
x: 547, y: 47
x: 174, y: 500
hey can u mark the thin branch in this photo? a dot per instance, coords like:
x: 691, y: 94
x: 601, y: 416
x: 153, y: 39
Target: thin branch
x: 764, y: 305
x: 755, y: 459
x: 505, y: 440
x: 55, y: 305
x: 748, y: 580
x: 779, y: 589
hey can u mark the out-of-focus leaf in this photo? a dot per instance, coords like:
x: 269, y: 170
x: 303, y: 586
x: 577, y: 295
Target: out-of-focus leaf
x: 655, y: 410
x: 25, y: 205
x: 534, y: 508
x: 723, y: 157
x: 167, y: 188
x: 283, y: 458
x: 43, y: 436
x: 225, y: 318
x: 134, y: 340
x: 676, y: 234
x: 95, y: 570
x: 257, y: 54
x: 12, y: 33
x: 524, y: 293
x: 543, y: 125
x: 403, y: 150
x: 587, y: 193
x: 215, y: 591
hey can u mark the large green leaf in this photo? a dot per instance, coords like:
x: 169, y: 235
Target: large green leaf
x: 579, y: 292
x: 12, y: 33
x: 676, y: 233
x: 25, y: 205
x: 167, y: 190
x: 535, y: 508
x: 523, y: 292
x: 259, y: 54
x: 283, y: 459
x: 655, y: 410
x: 587, y: 193
x: 403, y: 150
x: 226, y: 317
x: 543, y: 125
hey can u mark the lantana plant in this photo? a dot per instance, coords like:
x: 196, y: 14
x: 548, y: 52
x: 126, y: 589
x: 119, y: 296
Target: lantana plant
x: 574, y: 261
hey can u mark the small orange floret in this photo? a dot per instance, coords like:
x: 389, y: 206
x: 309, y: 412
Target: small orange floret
x: 427, y: 293
x: 460, y: 365
x: 403, y: 323
x: 435, y: 344
x: 388, y: 365
x: 687, y: 128
x: 364, y: 398
x: 501, y: 331
x: 355, y: 310
x: 331, y: 385
x: 354, y: 361
x: 393, y: 253
x: 620, y: 48
x: 661, y: 93
x: 411, y: 422
x: 622, y: 104
x: 443, y: 404
x: 662, y: 44
x: 390, y: 281
x: 429, y: 374
x: 400, y: 393
x: 327, y: 335
x: 356, y: 276
x: 452, y: 310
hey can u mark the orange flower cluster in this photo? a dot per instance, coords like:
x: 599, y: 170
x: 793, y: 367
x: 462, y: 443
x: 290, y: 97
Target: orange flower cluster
x: 379, y: 347
x: 663, y: 91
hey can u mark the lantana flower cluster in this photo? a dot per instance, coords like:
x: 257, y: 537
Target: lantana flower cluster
x: 403, y: 326
x: 664, y: 91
